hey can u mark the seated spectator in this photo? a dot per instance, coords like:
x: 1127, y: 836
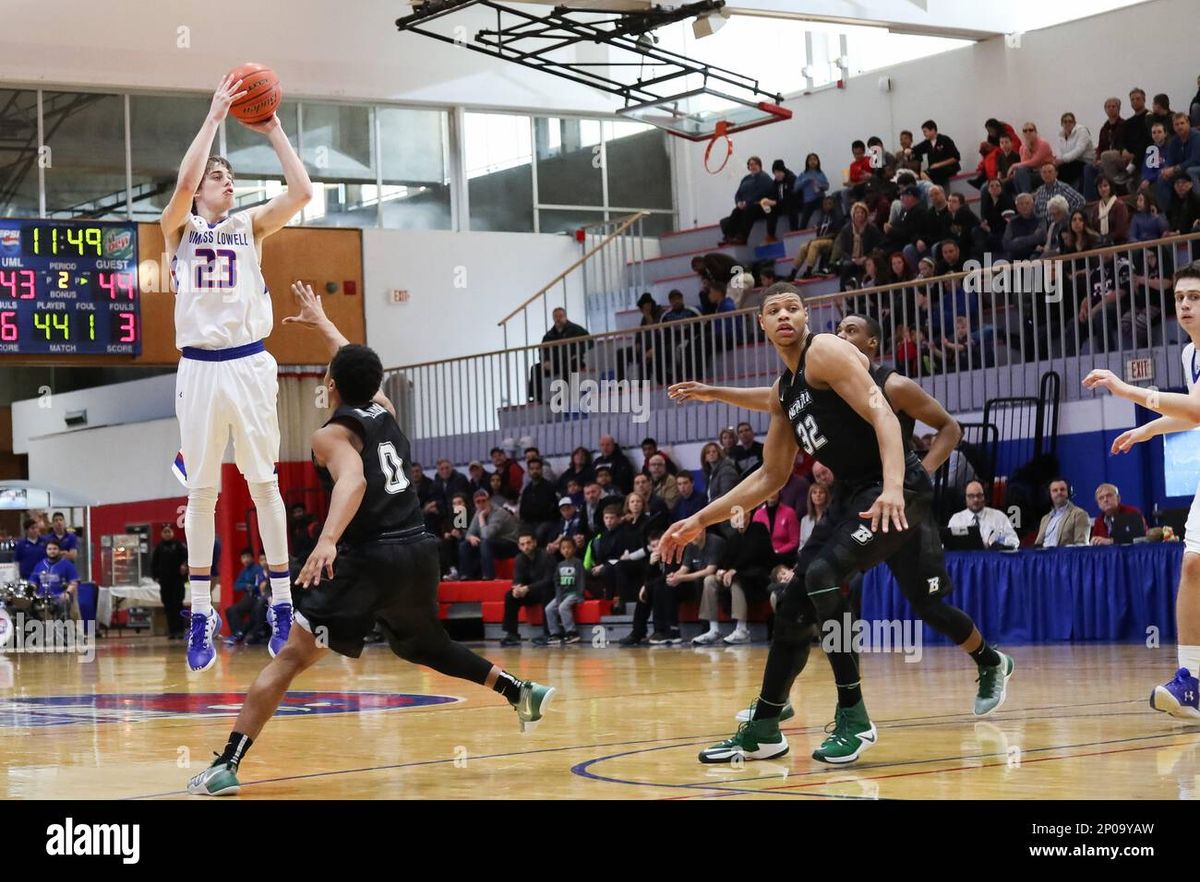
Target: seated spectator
x: 426, y: 497
x: 1109, y: 216
x: 608, y: 490
x: 1182, y: 155
x: 1160, y: 111
x: 477, y: 477
x: 649, y: 448
x: 604, y: 558
x: 940, y: 153
x: 579, y: 470
x: 720, y: 472
x: 454, y: 532
x: 1109, y: 145
x: 899, y: 270
x: 748, y: 454
x: 570, y: 524
x: 1152, y: 163
x: 663, y: 482
x: 755, y: 186
x: 673, y: 346
x: 538, y: 506
x: 995, y: 207
x: 642, y: 352
x: 1137, y: 134
x: 447, y: 482
x: 727, y: 438
x: 766, y: 275
x: 907, y: 159
x: 1035, y: 153
x: 745, y: 572
x: 784, y: 200
x: 1147, y: 223
x: 818, y: 505
x: 568, y: 593
x: 940, y: 214
x: 995, y: 529
x: 914, y: 231
x: 858, y: 175
x: 857, y: 239
x: 612, y: 456
x: 1051, y: 187
x: 1183, y: 214
x: 594, y: 502
x: 688, y: 500
x: 501, y: 495
x: 658, y: 595
x: 699, y: 564
x: 30, y: 549
x: 1066, y: 523
x: 56, y: 576
x: 1073, y: 152
x: 1079, y: 236
x: 557, y: 362
x: 1025, y: 231
x: 533, y: 585
x: 883, y: 163
x: 964, y: 226
x: 949, y: 258
x: 660, y: 515
x: 783, y: 526
x: 492, y: 535
x: 1058, y: 223
x: 1149, y: 290
x: 962, y: 352
x: 512, y: 476
x: 68, y: 542
x: 827, y: 222
x: 997, y: 161
x: 812, y: 187
x: 532, y: 453
x: 635, y: 515
x: 239, y: 614
x: 1108, y: 497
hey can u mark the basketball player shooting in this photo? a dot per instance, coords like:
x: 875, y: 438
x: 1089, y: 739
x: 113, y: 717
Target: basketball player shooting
x: 1180, y: 413
x: 227, y: 381
x: 387, y: 567
x: 828, y: 401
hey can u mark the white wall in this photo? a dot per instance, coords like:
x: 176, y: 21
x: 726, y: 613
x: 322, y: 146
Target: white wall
x: 132, y: 402
x: 460, y: 286
x: 115, y: 464
x: 1070, y: 67
x: 346, y: 50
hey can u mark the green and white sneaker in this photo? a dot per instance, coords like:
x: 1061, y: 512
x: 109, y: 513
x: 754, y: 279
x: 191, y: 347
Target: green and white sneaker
x: 532, y: 704
x: 754, y: 740
x: 786, y: 714
x: 852, y: 733
x: 219, y: 779
x: 993, y: 685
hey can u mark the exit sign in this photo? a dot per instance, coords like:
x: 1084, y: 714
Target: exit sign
x: 399, y: 295
x: 1139, y: 370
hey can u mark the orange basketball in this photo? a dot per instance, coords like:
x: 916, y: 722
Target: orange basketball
x: 262, y: 89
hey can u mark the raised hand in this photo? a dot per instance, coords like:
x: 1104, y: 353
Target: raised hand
x: 689, y: 390
x: 227, y: 92
x: 312, y: 312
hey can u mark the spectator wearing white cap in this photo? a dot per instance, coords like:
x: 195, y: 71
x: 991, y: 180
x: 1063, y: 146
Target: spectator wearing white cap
x: 569, y: 524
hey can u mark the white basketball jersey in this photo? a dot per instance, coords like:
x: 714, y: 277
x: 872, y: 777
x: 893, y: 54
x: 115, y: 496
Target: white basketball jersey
x: 1191, y: 368
x: 221, y: 300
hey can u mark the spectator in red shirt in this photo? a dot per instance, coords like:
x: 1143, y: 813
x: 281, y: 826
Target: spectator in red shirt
x: 858, y: 176
x: 1108, y: 497
x: 1035, y: 152
x: 509, y: 470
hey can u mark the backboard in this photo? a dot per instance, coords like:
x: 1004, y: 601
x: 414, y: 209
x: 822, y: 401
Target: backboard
x: 697, y: 115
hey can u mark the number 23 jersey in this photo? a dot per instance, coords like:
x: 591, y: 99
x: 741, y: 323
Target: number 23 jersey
x: 221, y: 299
x: 829, y: 430
x: 390, y: 501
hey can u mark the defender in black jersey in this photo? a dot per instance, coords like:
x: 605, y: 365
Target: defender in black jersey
x: 828, y: 402
x: 387, y: 565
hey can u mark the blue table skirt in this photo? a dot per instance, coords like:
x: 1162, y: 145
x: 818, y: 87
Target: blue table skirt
x: 1110, y: 593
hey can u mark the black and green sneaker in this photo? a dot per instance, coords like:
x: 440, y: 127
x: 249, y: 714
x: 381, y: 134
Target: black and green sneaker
x: 219, y: 779
x: 786, y: 714
x: 993, y: 685
x: 754, y: 740
x: 532, y: 704
x: 850, y: 733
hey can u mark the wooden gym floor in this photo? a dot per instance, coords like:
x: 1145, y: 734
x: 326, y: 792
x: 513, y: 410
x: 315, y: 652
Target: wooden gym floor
x: 626, y: 724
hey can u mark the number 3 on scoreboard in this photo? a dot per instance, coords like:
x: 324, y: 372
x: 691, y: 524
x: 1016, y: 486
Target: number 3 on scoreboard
x: 393, y: 468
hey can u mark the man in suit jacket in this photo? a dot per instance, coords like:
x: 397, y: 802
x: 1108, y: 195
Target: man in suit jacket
x: 1066, y: 523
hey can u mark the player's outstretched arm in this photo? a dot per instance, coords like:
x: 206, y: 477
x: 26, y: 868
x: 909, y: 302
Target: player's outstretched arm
x: 844, y: 368
x: 779, y: 453
x: 332, y: 446
x: 312, y: 315
x: 754, y: 398
x: 909, y: 397
x: 191, y: 170
x: 1124, y: 442
x: 1178, y: 405
x: 275, y: 214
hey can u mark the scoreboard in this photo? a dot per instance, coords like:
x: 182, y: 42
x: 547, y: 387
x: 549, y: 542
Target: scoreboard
x: 69, y: 287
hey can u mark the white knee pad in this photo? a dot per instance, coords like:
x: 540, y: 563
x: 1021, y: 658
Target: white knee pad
x: 199, y: 523
x: 272, y: 519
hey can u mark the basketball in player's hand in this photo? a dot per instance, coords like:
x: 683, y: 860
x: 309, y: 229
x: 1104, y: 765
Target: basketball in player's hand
x: 263, y: 93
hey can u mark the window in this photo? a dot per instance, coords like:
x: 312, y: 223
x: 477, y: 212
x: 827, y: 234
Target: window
x: 257, y: 175
x: 85, y: 163
x: 413, y: 159
x: 19, y: 159
x: 499, y: 167
x: 337, y: 152
x: 161, y: 130
x: 569, y: 161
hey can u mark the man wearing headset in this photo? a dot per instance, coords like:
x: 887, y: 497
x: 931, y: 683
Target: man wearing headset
x: 1066, y: 523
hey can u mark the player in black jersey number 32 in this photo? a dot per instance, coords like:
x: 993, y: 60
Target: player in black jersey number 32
x: 828, y: 402
x: 387, y: 568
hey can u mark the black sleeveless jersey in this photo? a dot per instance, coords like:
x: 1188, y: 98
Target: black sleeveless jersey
x: 907, y: 424
x: 389, y: 503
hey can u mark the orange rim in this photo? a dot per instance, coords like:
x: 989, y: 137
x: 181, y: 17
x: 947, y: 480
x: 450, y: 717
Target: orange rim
x: 720, y: 132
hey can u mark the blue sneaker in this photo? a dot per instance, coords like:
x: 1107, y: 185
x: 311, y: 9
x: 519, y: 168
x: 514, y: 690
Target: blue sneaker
x: 280, y: 616
x: 201, y: 652
x: 1179, y: 697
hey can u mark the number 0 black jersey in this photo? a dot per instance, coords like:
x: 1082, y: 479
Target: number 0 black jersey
x: 389, y: 503
x: 829, y: 429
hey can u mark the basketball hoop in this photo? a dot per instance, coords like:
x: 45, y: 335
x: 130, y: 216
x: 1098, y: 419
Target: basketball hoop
x: 721, y: 131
